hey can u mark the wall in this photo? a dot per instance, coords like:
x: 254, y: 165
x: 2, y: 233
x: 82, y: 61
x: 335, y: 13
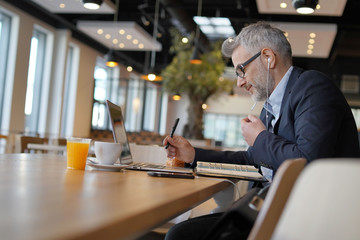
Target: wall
x: 17, y: 116
x: 85, y: 90
x: 83, y: 104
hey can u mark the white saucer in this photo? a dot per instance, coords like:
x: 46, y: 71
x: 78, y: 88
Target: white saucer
x: 92, y: 162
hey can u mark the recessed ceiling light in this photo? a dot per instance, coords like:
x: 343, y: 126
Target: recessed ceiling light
x: 100, y: 31
x: 283, y: 5
x: 122, y: 31
x: 121, y: 45
x: 310, y: 47
x: 312, y: 35
x: 135, y: 41
x: 129, y: 68
x: 309, y: 51
x: 128, y: 36
x: 311, y: 41
x: 62, y: 5
x: 115, y: 41
x: 185, y: 40
x: 107, y: 36
x: 141, y: 45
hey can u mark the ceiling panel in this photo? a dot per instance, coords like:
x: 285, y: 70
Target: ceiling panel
x: 75, y: 6
x: 327, y: 7
x: 126, y: 36
x: 301, y: 41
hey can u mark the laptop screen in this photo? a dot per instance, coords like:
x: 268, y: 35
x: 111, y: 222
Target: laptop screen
x: 118, y: 130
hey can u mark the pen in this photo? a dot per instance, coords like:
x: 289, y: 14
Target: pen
x: 172, y: 131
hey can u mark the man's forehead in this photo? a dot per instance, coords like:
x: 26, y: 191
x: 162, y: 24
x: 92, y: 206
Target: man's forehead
x: 239, y: 56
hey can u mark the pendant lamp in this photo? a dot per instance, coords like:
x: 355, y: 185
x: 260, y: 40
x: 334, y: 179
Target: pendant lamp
x: 110, y: 59
x: 305, y: 6
x: 92, y: 4
x: 195, y: 58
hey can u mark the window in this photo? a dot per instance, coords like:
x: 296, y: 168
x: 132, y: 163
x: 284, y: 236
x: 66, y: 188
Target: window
x: 37, y: 89
x: 34, y: 81
x: 107, y: 86
x: 5, y: 23
x: 72, y: 66
x: 151, y: 97
x: 225, y: 129
x: 139, y: 100
x: 134, y: 106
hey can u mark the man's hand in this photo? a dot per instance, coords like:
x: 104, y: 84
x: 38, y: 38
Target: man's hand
x: 250, y: 128
x: 180, y: 148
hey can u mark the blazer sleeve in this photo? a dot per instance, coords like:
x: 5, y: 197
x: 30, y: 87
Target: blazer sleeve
x: 235, y: 157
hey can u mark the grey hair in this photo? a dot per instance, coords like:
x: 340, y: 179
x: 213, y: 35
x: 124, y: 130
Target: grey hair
x: 258, y: 36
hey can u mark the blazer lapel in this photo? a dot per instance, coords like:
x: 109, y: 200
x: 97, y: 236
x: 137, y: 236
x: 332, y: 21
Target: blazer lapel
x: 293, y: 77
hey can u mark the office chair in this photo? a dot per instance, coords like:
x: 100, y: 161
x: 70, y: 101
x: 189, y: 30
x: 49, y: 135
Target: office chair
x: 276, y: 197
x: 324, y: 203
x: 25, y: 140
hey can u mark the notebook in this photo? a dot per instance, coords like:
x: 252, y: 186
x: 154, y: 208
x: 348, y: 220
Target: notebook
x: 244, y: 172
x: 120, y: 136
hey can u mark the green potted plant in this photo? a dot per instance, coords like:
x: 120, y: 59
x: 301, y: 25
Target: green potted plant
x: 197, y: 81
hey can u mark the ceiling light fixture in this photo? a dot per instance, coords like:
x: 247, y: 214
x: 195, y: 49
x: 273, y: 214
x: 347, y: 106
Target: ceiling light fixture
x: 176, y: 97
x: 152, y: 76
x: 92, y: 4
x: 111, y: 61
x: 305, y: 6
x: 195, y: 58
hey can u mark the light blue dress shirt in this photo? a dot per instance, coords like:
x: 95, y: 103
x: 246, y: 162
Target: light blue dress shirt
x: 272, y: 106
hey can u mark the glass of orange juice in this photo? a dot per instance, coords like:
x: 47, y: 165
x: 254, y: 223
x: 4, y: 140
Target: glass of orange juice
x: 77, y: 152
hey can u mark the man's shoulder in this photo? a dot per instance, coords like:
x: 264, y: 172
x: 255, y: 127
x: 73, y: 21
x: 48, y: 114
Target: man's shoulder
x: 314, y: 74
x: 309, y: 78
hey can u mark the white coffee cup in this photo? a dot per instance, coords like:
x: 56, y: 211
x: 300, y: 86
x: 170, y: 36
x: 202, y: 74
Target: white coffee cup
x: 107, y: 152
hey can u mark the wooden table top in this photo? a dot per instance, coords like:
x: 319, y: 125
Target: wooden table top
x: 41, y: 199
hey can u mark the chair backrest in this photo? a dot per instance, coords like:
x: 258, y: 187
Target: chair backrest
x: 3, y: 142
x: 25, y: 140
x: 324, y: 203
x: 276, y: 198
x: 61, y: 141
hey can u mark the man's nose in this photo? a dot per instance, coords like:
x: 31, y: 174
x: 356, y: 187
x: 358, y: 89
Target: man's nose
x: 240, y: 82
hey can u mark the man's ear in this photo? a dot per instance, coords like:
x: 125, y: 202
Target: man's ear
x: 268, y: 57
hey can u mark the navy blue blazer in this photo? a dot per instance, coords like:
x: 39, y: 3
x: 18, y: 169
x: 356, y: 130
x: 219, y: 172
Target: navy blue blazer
x: 315, y: 122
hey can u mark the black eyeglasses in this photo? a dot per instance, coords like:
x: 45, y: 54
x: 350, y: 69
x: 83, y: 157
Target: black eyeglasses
x: 240, y: 72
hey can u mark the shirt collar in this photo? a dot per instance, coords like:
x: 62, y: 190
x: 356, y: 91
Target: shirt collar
x: 273, y: 104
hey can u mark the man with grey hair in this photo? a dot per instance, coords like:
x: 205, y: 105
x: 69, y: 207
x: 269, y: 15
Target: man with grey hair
x: 305, y: 115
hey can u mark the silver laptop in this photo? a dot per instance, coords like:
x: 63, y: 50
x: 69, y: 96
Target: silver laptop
x: 120, y: 136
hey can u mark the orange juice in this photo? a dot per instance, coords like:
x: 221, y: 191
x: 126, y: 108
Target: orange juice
x: 77, y: 151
